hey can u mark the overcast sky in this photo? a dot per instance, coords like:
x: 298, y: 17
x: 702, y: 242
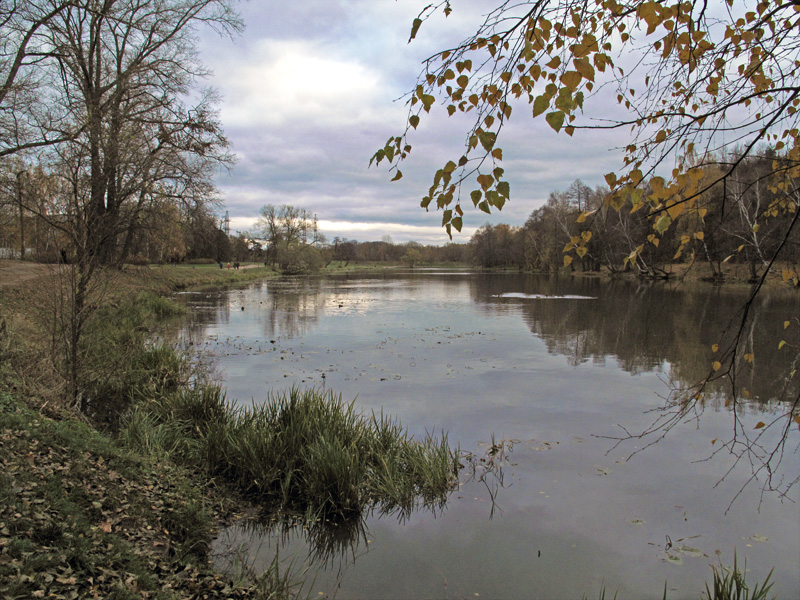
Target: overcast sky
x: 312, y: 88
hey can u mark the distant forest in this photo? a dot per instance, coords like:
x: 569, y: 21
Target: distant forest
x: 739, y: 223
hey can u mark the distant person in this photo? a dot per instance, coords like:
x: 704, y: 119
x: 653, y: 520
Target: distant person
x: 220, y: 264
x: 63, y: 257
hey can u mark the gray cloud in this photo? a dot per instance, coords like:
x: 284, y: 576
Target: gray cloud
x: 309, y: 93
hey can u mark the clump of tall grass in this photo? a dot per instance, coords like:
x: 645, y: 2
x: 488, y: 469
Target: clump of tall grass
x: 730, y: 584
x: 303, y: 450
x: 308, y: 450
x: 119, y: 365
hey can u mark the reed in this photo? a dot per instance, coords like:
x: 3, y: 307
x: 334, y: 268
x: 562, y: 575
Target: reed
x: 301, y: 451
x: 731, y: 584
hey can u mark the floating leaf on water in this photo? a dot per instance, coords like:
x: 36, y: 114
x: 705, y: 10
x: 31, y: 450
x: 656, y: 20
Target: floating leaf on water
x: 637, y: 521
x: 757, y: 538
x: 675, y: 559
x: 540, y: 446
x: 689, y: 551
x: 603, y: 471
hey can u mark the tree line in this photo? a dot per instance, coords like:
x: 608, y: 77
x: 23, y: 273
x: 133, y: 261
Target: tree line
x: 739, y: 220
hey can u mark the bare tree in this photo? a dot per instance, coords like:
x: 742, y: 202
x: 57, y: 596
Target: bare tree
x: 291, y: 235
x: 101, y: 88
x: 27, y: 119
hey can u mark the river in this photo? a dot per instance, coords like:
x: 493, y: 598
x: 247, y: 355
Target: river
x: 559, y: 368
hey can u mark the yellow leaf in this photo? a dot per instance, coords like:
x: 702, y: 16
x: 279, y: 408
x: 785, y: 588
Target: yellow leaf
x: 759, y: 425
x: 586, y: 236
x: 781, y: 344
x: 585, y: 68
x: 786, y: 324
x: 716, y: 365
x: 749, y: 357
x: 571, y: 79
x: 555, y: 119
x: 699, y: 235
x: 662, y: 224
x: 554, y: 64
x: 584, y: 215
x: 657, y: 185
x: 581, y: 251
x: 714, y: 347
x: 567, y: 260
x: 540, y: 104
x: 797, y: 420
x: 675, y: 210
x: 415, y: 28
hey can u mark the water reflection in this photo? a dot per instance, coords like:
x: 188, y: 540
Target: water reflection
x: 476, y: 354
x: 648, y: 326
x: 644, y: 326
x: 332, y: 546
x: 329, y: 544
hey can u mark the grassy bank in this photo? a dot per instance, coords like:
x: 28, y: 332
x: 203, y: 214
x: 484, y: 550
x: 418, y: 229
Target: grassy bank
x: 81, y: 516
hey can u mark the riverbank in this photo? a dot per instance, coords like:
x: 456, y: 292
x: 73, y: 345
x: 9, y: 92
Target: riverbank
x: 82, y: 515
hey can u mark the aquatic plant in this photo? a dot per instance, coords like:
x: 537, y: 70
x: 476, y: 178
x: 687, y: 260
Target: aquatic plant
x: 302, y: 450
x: 731, y: 584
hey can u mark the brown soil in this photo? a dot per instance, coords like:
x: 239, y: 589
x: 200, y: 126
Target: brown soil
x: 14, y: 272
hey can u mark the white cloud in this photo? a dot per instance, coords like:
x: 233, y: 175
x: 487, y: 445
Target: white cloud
x: 296, y: 82
x: 367, y: 231
x: 399, y: 232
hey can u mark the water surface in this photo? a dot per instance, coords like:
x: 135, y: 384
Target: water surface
x: 555, y: 366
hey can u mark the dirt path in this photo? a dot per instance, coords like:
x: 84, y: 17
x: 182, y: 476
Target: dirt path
x: 14, y: 272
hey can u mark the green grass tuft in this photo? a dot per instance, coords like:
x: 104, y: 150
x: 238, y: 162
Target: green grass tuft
x: 302, y: 451
x: 731, y: 584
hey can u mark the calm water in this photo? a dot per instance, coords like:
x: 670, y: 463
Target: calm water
x: 553, y: 365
